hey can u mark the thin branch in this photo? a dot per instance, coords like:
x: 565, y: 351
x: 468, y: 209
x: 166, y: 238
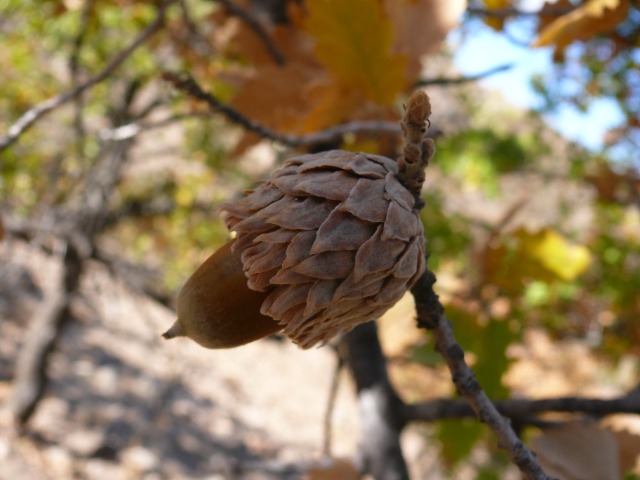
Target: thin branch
x: 188, y: 85
x: 130, y: 130
x: 515, y: 12
x: 463, y: 79
x: 29, y: 118
x: 431, y: 317
x: 252, y: 22
x: 331, y: 402
x: 74, y: 68
x: 519, y: 409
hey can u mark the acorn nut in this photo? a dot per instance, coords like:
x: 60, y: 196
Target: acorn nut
x: 330, y: 240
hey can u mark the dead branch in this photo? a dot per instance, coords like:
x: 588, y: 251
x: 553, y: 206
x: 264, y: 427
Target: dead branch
x: 36, y: 113
x: 464, y: 78
x: 522, y: 409
x: 188, y: 85
x: 30, y: 377
x: 252, y: 22
x: 431, y: 317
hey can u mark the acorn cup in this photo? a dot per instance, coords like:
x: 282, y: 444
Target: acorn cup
x: 330, y: 240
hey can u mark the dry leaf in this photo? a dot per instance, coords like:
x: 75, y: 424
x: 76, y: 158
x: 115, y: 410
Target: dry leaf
x: 578, y: 451
x: 420, y: 26
x: 338, y: 469
x: 354, y: 40
x: 626, y: 430
x: 593, y: 18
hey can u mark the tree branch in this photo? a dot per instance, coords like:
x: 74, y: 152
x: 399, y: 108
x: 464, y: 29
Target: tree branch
x: 431, y: 317
x: 516, y: 408
x: 463, y: 79
x: 253, y: 23
x: 29, y: 118
x: 30, y: 378
x: 188, y: 85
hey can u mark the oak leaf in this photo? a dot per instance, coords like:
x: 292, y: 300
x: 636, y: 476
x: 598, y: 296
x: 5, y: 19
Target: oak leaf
x: 578, y: 451
x: 595, y: 17
x: 420, y: 27
x: 354, y: 40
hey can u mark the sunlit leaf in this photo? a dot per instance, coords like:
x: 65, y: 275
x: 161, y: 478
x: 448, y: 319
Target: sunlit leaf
x: 354, y: 39
x: 578, y: 451
x: 556, y: 253
x: 587, y: 21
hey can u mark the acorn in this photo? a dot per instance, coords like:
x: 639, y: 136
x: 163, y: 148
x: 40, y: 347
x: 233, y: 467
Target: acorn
x: 330, y: 240
x: 216, y: 308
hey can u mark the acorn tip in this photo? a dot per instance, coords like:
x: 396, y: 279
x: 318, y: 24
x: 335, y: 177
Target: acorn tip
x: 175, y: 331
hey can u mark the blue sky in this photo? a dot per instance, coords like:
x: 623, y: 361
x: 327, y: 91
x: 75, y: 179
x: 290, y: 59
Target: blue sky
x: 489, y: 49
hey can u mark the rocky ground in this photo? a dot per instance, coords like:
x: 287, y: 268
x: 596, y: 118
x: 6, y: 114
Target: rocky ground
x: 125, y: 404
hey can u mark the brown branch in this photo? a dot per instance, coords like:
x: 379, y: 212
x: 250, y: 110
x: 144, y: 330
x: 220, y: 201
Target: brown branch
x: 519, y: 409
x: 431, y: 316
x: 463, y: 79
x: 188, y: 85
x: 33, y: 115
x: 252, y: 22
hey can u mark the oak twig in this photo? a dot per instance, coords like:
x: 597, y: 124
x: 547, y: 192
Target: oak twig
x: 188, y: 85
x: 257, y: 27
x: 431, y: 317
x: 522, y: 409
x: 36, y: 113
x: 464, y: 78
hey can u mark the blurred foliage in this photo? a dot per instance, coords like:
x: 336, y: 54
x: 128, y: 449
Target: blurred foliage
x: 336, y: 70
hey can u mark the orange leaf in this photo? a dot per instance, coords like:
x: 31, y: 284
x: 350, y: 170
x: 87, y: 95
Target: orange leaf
x: 595, y: 17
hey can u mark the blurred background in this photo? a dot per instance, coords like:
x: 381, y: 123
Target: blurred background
x: 110, y: 179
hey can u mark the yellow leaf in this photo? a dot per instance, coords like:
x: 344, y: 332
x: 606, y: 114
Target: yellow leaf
x: 593, y: 18
x: 354, y: 40
x: 545, y: 256
x: 555, y: 253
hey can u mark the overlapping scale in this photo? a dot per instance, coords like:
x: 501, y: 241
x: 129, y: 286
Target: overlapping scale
x: 333, y: 237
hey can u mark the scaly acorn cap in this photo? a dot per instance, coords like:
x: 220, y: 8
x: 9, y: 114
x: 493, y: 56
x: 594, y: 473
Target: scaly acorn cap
x: 330, y: 240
